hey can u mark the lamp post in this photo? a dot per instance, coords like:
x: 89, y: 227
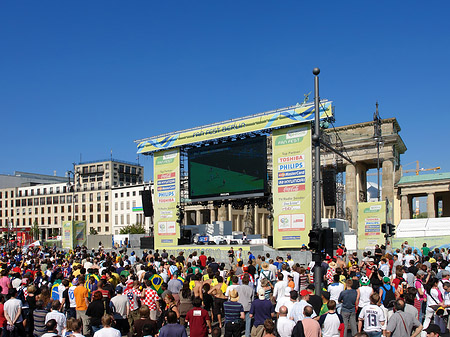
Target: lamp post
x: 74, y: 174
x: 378, y: 139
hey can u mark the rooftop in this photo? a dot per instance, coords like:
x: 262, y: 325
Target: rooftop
x: 424, y: 178
x: 108, y: 160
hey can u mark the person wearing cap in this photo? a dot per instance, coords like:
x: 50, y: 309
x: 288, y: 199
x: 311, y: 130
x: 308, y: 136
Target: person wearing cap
x: 121, y: 310
x: 234, y: 315
x: 261, y: 309
x: 421, y: 295
x: 296, y: 313
x: 433, y: 330
x: 402, y: 324
x: 284, y: 324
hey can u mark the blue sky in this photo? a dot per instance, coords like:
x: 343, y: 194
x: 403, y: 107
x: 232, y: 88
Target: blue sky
x: 81, y: 78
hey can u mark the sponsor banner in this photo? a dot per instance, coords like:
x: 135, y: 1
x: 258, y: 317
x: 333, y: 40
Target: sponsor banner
x: 370, y: 217
x: 73, y: 234
x: 269, y: 120
x: 138, y: 209
x: 67, y: 237
x: 167, y: 195
x: 292, y: 202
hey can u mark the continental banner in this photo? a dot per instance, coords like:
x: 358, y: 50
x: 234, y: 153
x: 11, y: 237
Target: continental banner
x: 269, y: 120
x: 292, y: 180
x: 166, y: 167
x: 370, y: 217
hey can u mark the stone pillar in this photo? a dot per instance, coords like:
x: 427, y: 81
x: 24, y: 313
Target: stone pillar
x: 446, y: 204
x: 431, y: 206
x: 361, y: 182
x: 222, y: 213
x: 230, y: 213
x: 197, y: 217
x: 406, y: 207
x: 387, y: 181
x: 212, y: 214
x: 351, y: 209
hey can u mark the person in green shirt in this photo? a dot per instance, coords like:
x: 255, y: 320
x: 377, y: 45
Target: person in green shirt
x: 425, y: 250
x: 325, y: 299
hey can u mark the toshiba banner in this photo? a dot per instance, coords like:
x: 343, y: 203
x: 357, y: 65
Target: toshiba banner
x: 292, y: 195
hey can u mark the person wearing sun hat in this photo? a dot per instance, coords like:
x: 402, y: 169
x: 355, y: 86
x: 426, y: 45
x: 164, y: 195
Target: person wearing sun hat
x: 234, y: 314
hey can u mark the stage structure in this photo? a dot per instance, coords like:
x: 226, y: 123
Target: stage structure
x: 263, y: 159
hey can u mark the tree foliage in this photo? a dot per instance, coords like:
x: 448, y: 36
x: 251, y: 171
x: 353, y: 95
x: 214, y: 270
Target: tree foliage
x: 136, y: 228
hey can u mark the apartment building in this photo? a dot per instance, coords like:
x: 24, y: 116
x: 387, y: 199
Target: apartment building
x: 127, y: 207
x: 85, y: 196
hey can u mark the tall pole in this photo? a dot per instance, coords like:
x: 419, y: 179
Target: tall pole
x: 318, y: 199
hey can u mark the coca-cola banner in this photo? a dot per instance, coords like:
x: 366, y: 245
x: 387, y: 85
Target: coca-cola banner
x: 292, y: 181
x: 167, y: 196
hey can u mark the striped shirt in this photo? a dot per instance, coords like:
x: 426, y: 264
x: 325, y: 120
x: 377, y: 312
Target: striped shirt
x: 232, y: 311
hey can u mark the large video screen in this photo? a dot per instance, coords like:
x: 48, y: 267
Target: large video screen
x: 235, y: 168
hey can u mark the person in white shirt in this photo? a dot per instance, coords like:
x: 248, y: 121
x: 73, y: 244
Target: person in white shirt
x: 284, y: 324
x: 335, y: 290
x: 296, y: 313
x: 364, y: 292
x: 331, y: 322
x: 107, y: 330
x: 279, y: 288
x: 290, y: 297
x: 373, y: 317
x: 59, y: 317
x: 296, y: 277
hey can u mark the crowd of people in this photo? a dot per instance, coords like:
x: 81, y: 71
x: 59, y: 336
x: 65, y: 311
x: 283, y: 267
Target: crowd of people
x: 45, y: 292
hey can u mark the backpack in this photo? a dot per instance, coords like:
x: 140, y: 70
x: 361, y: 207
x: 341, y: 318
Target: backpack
x: 389, y: 297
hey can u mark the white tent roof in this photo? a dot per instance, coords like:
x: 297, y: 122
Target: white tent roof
x: 423, y: 227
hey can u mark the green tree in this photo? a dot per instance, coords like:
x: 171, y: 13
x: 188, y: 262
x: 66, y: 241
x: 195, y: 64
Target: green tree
x: 93, y: 231
x: 137, y: 228
x: 34, y: 230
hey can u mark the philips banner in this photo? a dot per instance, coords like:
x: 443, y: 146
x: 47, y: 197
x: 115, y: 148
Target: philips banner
x: 370, y: 217
x: 292, y: 180
x: 166, y: 167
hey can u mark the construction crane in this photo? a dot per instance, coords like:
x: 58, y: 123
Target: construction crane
x: 419, y: 169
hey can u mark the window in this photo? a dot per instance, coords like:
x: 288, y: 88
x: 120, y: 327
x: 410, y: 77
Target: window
x: 83, y: 208
x: 99, y: 218
x: 62, y: 199
x: 49, y: 210
x: 106, y: 196
x: 91, y: 218
x: 106, y: 207
x: 55, y: 209
x: 51, y: 190
x: 57, y: 189
x: 55, y: 200
x: 20, y: 193
x: 84, y: 186
x: 99, y: 229
x: 42, y: 221
x: 107, y: 185
x: 107, y: 166
x: 91, y: 208
x: 42, y: 210
x: 106, y: 229
x: 49, y: 219
x: 32, y: 192
x: 17, y: 211
x: 92, y: 186
x: 83, y: 198
x: 128, y: 219
x: 134, y: 203
x: 91, y: 197
x: 42, y: 201
x: 76, y: 208
x: 69, y: 199
x: 36, y: 201
x: 121, y: 205
x: 128, y: 205
x: 30, y: 202
x: 23, y: 211
x: 121, y: 219
x: 62, y: 209
x: 99, y: 207
x: 106, y: 217
x: 134, y: 193
x: 56, y: 220
x: 69, y: 208
x: 76, y: 198
x: 99, y: 186
x: 49, y: 200
x: 133, y: 170
x: 99, y: 196
x: 36, y: 210
x: 6, y: 194
x: 128, y: 194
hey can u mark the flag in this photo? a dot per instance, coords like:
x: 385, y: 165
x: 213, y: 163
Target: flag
x: 156, y: 282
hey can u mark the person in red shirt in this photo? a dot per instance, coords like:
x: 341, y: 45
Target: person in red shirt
x: 198, y: 318
x: 202, y: 259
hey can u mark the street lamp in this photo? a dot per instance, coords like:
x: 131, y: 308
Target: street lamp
x: 72, y: 186
x: 378, y: 140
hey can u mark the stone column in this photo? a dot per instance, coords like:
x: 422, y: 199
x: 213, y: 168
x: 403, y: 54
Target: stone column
x: 212, y: 213
x: 387, y: 181
x: 198, y: 217
x: 351, y: 195
x: 222, y: 213
x: 431, y: 206
x: 406, y: 207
